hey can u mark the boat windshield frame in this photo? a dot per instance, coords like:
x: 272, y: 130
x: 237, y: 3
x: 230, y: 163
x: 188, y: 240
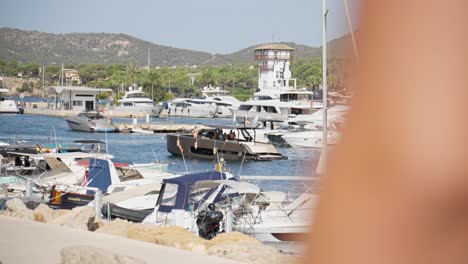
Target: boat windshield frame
x: 247, y: 137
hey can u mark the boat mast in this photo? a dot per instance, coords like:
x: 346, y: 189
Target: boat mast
x: 324, y: 79
x: 148, y: 60
x: 43, y: 81
x: 61, y: 74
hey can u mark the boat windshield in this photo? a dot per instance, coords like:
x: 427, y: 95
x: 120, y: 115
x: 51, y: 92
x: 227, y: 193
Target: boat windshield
x: 91, y: 115
x: 295, y: 97
x: 245, y: 107
x: 169, y: 195
x: 136, y: 95
x: 262, y: 97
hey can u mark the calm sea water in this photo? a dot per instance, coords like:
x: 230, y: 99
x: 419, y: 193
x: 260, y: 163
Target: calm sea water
x: 142, y: 148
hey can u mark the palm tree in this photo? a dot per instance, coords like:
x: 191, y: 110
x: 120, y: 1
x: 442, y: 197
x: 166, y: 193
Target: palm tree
x: 154, y: 79
x: 131, y: 73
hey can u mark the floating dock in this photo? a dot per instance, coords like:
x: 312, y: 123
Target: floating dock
x: 157, y: 128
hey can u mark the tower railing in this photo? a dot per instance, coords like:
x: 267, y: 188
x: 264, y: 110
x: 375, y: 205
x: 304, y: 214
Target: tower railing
x: 273, y: 57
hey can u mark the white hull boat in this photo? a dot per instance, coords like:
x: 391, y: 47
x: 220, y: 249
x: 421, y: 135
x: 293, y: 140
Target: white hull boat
x: 7, y: 106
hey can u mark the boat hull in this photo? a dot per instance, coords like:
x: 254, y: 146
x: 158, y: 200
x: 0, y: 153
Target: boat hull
x: 8, y: 106
x: 84, y: 125
x: 204, y: 148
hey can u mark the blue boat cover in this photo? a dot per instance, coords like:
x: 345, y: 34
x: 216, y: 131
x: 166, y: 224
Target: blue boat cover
x: 99, y: 175
x: 183, y: 188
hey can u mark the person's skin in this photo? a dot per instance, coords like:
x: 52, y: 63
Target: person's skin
x: 396, y: 188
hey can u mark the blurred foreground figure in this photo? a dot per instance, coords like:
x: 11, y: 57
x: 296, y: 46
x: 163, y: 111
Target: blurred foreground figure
x: 396, y: 189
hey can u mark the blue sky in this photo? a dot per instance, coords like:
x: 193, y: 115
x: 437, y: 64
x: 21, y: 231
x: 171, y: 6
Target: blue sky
x: 216, y: 26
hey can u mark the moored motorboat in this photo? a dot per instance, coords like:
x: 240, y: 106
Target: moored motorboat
x: 7, y: 106
x: 91, y: 122
x: 214, y: 144
x: 136, y: 100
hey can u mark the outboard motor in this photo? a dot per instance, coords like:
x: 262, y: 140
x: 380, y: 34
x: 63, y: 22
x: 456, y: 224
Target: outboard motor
x: 208, y: 222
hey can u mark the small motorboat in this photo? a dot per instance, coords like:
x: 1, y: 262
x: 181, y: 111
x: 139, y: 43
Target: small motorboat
x: 214, y: 144
x: 91, y: 122
x: 8, y: 106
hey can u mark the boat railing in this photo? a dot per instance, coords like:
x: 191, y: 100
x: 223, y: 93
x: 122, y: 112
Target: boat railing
x: 262, y: 116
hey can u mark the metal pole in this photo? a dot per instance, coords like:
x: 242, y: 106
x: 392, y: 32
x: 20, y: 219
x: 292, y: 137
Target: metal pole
x: 97, y: 203
x: 61, y: 74
x: 43, y: 81
x: 149, y: 60
x: 29, y: 188
x: 228, y: 228
x: 324, y: 79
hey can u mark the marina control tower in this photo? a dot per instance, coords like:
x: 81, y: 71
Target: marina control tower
x: 273, y: 66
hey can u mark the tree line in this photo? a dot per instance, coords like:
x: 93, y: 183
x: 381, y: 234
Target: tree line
x: 163, y: 83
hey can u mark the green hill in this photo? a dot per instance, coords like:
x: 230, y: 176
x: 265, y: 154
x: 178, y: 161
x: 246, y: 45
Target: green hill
x: 106, y: 48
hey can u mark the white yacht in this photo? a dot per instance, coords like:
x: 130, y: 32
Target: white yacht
x: 214, y: 104
x: 188, y: 107
x: 306, y: 130
x: 278, y: 97
x: 7, y: 106
x: 216, y: 94
x: 276, y: 106
x: 91, y: 122
x: 136, y: 100
x: 310, y: 138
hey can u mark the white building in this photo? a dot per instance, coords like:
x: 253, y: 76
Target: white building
x: 71, y: 75
x: 76, y: 98
x: 273, y: 66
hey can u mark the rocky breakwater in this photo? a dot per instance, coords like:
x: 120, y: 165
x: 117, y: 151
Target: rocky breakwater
x: 234, y: 246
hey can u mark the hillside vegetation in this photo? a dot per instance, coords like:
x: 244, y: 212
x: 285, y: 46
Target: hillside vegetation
x: 116, y: 61
x: 106, y: 48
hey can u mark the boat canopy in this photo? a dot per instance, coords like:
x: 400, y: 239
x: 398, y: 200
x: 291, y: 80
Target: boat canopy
x: 184, y: 185
x: 239, y: 187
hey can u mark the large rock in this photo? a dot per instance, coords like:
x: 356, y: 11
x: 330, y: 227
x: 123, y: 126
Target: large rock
x: 249, y: 251
x: 173, y: 236
x: 232, y: 237
x: 45, y: 214
x: 78, y: 217
x: 178, y: 237
x: 117, y: 227
x: 235, y: 246
x: 16, y: 208
x: 93, y: 255
x: 244, y: 248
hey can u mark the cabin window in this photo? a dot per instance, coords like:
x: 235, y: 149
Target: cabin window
x: 245, y: 107
x: 169, y: 195
x: 269, y: 109
x: 296, y: 111
x: 136, y: 95
x: 127, y: 104
x: 288, y: 97
x: 264, y: 98
x: 198, y: 195
x: 118, y: 189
